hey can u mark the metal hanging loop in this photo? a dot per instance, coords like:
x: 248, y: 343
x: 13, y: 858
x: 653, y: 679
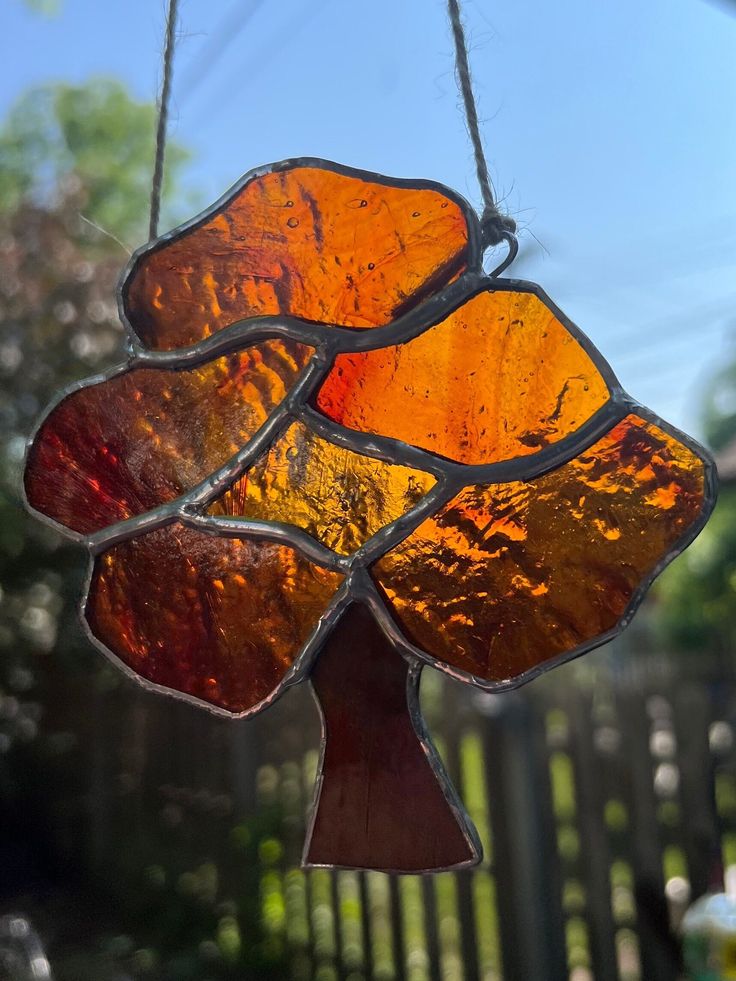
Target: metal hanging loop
x: 513, y: 244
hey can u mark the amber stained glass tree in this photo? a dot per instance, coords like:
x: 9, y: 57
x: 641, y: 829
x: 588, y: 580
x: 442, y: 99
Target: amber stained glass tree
x: 339, y: 448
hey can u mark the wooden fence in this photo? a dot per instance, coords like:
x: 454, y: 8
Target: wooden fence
x: 604, y: 793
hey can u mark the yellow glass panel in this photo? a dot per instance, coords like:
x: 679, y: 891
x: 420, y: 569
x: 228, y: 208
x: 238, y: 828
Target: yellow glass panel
x: 339, y: 497
x: 507, y: 576
x: 500, y: 378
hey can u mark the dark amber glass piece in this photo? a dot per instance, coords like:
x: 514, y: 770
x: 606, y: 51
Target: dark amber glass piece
x: 507, y: 576
x: 222, y: 619
x: 501, y: 377
x: 381, y: 804
x: 339, y: 497
x: 307, y: 241
x: 115, y: 450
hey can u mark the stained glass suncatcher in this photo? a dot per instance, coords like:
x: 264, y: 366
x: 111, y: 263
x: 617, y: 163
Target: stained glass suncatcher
x: 339, y: 448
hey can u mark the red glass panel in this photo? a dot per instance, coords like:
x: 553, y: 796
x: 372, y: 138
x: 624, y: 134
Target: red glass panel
x: 115, y: 450
x: 222, y: 619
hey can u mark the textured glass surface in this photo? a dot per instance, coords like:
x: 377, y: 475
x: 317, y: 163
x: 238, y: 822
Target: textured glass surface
x: 489, y: 572
x: 340, y: 497
x: 381, y: 805
x: 499, y: 378
x: 114, y: 450
x: 219, y: 618
x: 507, y: 576
x: 308, y: 242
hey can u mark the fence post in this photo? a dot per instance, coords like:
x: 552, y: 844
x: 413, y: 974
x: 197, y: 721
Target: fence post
x: 659, y: 961
x: 692, y: 720
x: 523, y: 853
x: 596, y: 856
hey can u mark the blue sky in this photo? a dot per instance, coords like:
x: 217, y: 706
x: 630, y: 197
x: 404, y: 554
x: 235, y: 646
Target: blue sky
x: 610, y: 128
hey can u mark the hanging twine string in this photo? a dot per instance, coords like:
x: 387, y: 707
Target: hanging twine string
x: 163, y: 118
x: 496, y: 227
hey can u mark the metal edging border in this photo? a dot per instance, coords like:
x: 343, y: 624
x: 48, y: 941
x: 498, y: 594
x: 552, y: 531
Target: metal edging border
x: 474, y: 246
x: 358, y: 586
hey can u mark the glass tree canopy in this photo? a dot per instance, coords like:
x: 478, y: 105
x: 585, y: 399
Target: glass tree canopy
x: 339, y: 447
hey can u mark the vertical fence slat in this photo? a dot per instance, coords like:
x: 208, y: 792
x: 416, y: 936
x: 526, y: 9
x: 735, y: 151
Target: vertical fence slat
x: 397, y: 922
x: 519, y: 842
x: 430, y: 927
x: 468, y: 939
x: 596, y: 857
x: 469, y: 942
x: 550, y: 872
x: 185, y: 754
x: 692, y: 719
x: 337, y: 920
x: 365, y: 919
x: 659, y: 961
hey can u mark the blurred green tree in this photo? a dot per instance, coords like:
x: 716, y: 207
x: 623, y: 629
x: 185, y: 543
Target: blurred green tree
x: 75, y: 173
x: 719, y: 409
x: 43, y: 6
x: 65, y: 152
x: 697, y: 594
x: 93, y: 139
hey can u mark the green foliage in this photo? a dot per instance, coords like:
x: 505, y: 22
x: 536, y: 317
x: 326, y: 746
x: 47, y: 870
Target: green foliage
x: 46, y: 7
x: 167, y: 913
x: 199, y: 919
x: 59, y: 323
x: 64, y: 150
x: 156, y: 892
x: 94, y: 138
x: 697, y: 593
x: 719, y: 410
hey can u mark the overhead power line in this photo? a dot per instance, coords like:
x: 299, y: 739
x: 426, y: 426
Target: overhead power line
x: 217, y: 43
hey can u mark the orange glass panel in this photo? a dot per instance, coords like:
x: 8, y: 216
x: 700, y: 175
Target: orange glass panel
x: 117, y: 449
x: 507, y: 576
x: 219, y: 618
x: 501, y: 377
x: 341, y: 498
x: 307, y: 242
